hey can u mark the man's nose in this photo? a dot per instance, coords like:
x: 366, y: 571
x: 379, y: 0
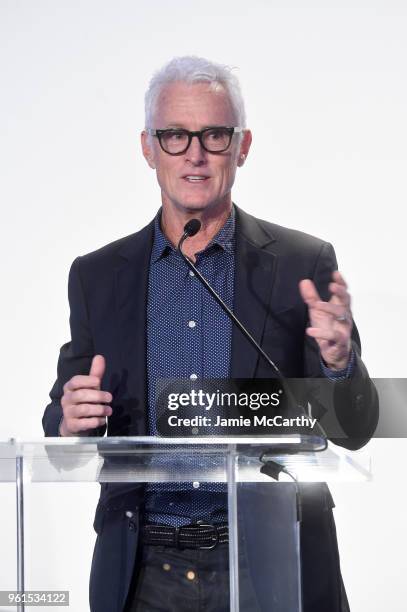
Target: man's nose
x: 195, y: 153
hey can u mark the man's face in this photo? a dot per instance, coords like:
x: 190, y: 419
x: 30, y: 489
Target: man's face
x: 195, y: 107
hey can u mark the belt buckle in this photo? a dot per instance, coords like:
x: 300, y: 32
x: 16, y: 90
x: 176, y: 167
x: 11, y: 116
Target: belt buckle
x: 215, y: 532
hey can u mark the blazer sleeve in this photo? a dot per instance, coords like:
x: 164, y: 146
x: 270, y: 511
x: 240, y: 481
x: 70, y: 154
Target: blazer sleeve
x: 355, y: 400
x: 75, y: 357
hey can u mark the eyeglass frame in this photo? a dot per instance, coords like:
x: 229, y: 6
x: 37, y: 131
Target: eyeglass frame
x: 198, y: 134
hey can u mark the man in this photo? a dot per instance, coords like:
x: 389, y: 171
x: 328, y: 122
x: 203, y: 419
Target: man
x: 137, y: 315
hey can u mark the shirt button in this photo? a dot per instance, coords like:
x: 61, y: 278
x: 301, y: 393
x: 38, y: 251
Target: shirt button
x: 195, y: 484
x: 191, y: 273
x: 166, y: 567
x: 191, y: 323
x: 190, y: 575
x: 193, y: 376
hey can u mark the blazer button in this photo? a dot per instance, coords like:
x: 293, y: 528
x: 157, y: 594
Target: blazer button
x: 358, y: 401
x: 130, y: 515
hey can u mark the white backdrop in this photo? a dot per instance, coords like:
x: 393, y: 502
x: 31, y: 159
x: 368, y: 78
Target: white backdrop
x: 326, y: 94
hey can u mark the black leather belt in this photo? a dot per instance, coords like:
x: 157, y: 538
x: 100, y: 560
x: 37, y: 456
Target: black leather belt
x: 200, y: 535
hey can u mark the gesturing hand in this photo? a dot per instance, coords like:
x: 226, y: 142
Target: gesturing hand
x: 84, y: 405
x: 331, y: 322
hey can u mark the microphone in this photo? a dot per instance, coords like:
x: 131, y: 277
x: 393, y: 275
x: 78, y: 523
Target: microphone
x: 191, y: 228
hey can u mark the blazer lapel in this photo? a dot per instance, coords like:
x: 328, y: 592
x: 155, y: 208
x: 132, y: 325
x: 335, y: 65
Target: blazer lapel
x: 131, y: 299
x: 255, y: 266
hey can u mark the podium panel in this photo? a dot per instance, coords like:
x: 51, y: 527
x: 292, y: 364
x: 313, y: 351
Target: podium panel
x: 264, y: 515
x: 269, y: 547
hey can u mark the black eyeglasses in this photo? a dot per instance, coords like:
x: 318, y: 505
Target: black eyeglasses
x: 175, y: 141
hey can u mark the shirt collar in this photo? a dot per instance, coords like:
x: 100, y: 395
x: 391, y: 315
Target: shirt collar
x: 224, y: 238
x: 161, y: 245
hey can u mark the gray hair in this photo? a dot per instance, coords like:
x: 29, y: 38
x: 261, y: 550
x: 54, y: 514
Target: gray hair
x: 191, y: 69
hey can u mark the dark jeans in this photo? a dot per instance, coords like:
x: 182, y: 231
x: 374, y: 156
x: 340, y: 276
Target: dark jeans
x: 171, y: 580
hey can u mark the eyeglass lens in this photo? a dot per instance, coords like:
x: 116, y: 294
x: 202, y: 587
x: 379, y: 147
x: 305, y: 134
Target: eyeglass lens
x: 213, y: 140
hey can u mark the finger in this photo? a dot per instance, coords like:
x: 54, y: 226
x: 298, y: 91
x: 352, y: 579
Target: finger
x: 92, y: 410
x: 85, y: 424
x: 333, y: 336
x: 98, y: 367
x: 339, y: 312
x: 89, y: 396
x: 340, y: 293
x: 82, y: 382
x: 338, y: 278
x: 308, y: 292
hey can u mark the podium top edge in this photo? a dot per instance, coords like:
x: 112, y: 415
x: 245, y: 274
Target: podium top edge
x: 292, y: 440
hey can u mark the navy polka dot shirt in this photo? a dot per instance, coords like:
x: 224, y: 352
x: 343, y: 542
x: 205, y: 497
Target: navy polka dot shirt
x: 188, y: 336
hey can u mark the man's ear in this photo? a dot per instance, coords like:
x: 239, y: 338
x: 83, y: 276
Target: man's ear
x: 147, y: 149
x: 244, y: 147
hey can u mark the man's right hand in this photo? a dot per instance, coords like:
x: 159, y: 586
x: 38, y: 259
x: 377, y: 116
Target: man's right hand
x: 84, y: 405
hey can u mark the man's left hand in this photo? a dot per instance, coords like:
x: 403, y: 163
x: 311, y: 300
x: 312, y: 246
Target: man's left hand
x: 330, y: 322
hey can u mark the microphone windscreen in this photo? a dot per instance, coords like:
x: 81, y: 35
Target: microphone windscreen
x: 192, y: 227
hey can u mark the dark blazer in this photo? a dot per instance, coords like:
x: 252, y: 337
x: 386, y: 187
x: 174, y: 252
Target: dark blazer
x: 107, y: 295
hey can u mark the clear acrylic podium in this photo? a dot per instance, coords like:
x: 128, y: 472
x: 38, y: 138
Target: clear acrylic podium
x: 264, y: 515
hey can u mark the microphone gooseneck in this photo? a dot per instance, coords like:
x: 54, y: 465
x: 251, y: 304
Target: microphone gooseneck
x: 191, y: 228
